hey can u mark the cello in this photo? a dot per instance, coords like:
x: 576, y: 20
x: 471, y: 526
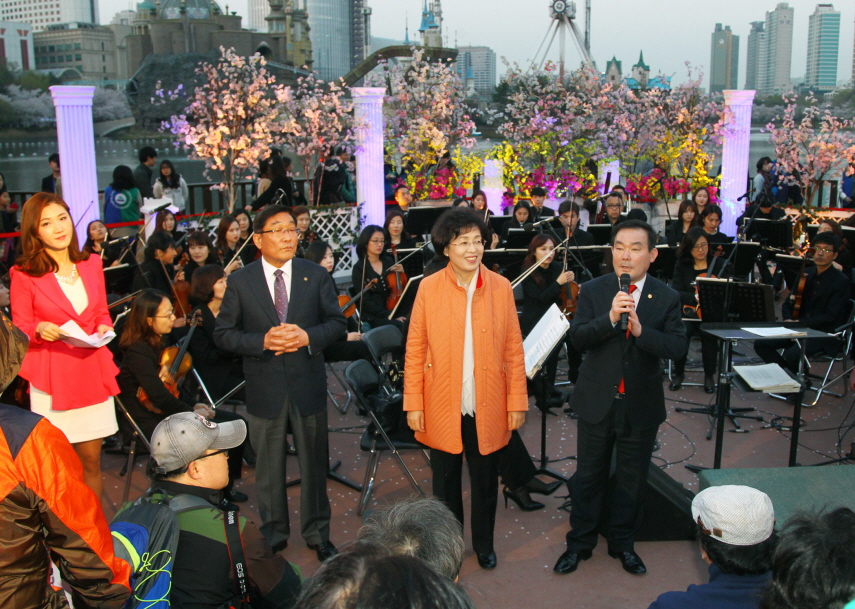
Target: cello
x: 175, y: 363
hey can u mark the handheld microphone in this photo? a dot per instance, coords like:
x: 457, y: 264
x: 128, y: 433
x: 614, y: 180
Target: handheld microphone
x: 624, y: 287
x: 529, y: 226
x: 111, y: 242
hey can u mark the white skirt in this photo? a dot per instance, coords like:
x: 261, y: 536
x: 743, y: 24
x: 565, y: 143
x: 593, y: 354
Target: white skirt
x: 80, y: 424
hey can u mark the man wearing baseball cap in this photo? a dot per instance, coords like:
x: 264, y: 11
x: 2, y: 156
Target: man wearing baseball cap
x: 736, y: 532
x: 190, y: 456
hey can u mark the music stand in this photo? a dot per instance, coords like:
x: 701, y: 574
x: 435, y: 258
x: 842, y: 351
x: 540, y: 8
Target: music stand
x: 405, y: 303
x: 509, y: 262
x: 519, y: 238
x: 663, y: 267
x: 791, y: 266
x: 497, y: 223
x: 849, y: 233
x: 591, y: 256
x: 812, y: 230
x: 743, y: 260
x: 772, y: 233
x: 602, y: 233
x: 420, y: 220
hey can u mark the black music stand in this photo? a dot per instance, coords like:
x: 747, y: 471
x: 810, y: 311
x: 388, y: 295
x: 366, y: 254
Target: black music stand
x: 771, y: 233
x: 602, y: 233
x: 663, y: 267
x: 849, y: 233
x: 519, y: 238
x: 497, y: 223
x: 728, y: 335
x: 420, y: 220
x: 791, y: 267
x: 509, y: 262
x: 813, y: 229
x: 743, y: 260
x: 591, y: 256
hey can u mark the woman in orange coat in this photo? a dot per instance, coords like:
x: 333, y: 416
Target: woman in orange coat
x: 464, y: 380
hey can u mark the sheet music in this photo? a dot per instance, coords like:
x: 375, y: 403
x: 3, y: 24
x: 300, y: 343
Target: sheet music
x: 76, y: 337
x: 416, y: 280
x: 768, y: 378
x: 775, y: 332
x: 540, y: 342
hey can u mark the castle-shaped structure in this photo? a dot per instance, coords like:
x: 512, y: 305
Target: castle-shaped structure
x: 431, y: 26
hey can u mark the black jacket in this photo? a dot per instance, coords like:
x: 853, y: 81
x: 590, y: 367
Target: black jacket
x: 538, y: 297
x: 142, y: 179
x: 685, y: 274
x: 675, y: 233
x: 247, y: 313
x: 825, y: 304
x: 220, y: 370
x: 150, y: 275
x: 774, y: 213
x: 49, y: 184
x: 279, y: 183
x: 373, y: 304
x: 611, y: 356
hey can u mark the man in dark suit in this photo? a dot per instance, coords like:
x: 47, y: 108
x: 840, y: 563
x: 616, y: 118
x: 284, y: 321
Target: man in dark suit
x: 50, y: 182
x: 619, y: 397
x: 144, y: 172
x: 538, y: 210
x: 280, y: 313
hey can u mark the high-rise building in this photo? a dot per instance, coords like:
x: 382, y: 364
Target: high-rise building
x: 724, y: 64
x: 756, y: 54
x: 773, y: 73
x: 823, y: 46
x: 330, y: 31
x: 257, y: 11
x: 16, y: 45
x: 42, y: 13
x: 89, y: 49
x: 482, y: 61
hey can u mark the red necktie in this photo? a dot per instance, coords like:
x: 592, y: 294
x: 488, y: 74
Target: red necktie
x: 632, y: 289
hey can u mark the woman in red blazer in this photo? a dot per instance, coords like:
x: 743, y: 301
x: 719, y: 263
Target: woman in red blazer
x: 54, y: 282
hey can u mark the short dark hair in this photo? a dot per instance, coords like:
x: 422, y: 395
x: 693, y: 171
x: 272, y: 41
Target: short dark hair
x: 613, y: 194
x: 814, y: 563
x: 636, y: 214
x: 537, y: 191
x: 619, y: 186
x: 763, y: 160
x: 123, y: 178
x: 828, y: 239
x: 711, y: 209
x: 158, y: 241
x: 54, y: 158
x: 365, y: 237
x: 630, y: 224
x: 833, y: 224
x: 453, y: 223
x: 146, y: 153
x: 690, y: 239
x: 568, y: 205
x: 316, y: 251
x: 202, y: 283
x: 200, y: 237
x: 154, y: 476
x: 397, y: 188
x: 740, y: 560
x: 420, y: 527
x: 268, y: 212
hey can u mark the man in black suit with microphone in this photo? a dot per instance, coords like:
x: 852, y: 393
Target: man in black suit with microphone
x: 280, y: 313
x: 619, y: 397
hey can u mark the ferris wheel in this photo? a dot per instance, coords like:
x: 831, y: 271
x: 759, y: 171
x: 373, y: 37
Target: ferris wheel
x: 563, y: 15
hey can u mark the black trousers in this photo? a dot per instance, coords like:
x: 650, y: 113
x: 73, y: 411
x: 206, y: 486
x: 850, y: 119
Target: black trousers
x: 709, y: 351
x: 588, y: 488
x: 767, y: 350
x: 514, y: 462
x: 484, y: 481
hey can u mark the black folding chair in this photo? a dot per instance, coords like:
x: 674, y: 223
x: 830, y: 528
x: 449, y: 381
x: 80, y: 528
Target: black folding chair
x: 128, y: 469
x: 386, y: 345
x: 366, y: 382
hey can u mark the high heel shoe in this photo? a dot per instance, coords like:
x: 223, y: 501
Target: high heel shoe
x: 676, y: 382
x: 536, y: 485
x: 522, y: 499
x: 709, y: 383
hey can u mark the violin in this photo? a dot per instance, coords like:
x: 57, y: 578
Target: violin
x: 697, y: 308
x: 348, y: 305
x: 181, y: 289
x: 798, y: 293
x: 396, y: 281
x: 570, y: 290
x: 175, y: 363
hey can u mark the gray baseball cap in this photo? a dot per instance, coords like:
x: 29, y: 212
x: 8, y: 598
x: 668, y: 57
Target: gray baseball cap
x: 182, y: 438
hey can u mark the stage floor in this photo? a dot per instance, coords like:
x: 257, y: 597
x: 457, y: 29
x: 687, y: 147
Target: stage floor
x: 528, y: 544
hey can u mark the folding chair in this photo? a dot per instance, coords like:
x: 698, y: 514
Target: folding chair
x: 365, y: 381
x: 128, y: 469
x: 845, y: 334
x: 348, y: 395
x: 386, y: 345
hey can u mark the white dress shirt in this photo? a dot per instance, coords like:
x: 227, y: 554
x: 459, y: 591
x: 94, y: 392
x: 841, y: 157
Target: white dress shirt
x: 270, y: 278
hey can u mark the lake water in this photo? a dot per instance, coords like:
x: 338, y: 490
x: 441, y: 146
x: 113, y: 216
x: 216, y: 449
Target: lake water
x: 24, y: 164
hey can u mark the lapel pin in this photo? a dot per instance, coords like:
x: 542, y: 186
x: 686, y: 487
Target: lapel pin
x: 305, y: 278
x: 650, y: 295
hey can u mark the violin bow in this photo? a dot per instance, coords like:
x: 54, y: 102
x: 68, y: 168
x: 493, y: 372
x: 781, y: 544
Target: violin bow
x: 237, y: 253
x: 172, y: 287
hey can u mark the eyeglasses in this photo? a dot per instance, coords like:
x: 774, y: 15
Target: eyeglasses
x: 378, y: 241
x: 216, y: 452
x: 823, y: 250
x: 287, y: 232
x: 701, y: 246
x: 169, y: 315
x: 465, y: 245
x: 618, y: 206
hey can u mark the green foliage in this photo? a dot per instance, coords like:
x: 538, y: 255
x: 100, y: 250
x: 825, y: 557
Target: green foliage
x: 8, y: 116
x: 502, y: 93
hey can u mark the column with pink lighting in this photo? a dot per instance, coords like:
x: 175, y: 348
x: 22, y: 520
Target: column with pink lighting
x: 734, y: 157
x: 368, y: 110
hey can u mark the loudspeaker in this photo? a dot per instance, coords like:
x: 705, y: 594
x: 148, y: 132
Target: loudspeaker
x: 667, y: 512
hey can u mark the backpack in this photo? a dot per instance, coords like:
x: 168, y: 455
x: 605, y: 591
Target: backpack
x: 145, y: 534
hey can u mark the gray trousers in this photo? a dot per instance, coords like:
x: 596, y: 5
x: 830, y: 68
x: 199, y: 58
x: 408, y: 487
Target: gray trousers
x: 310, y: 438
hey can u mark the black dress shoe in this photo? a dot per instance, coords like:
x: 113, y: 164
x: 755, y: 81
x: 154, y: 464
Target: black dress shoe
x: 676, y: 382
x: 236, y: 496
x: 325, y: 550
x: 279, y: 546
x: 709, y: 383
x: 487, y: 560
x: 630, y: 561
x: 569, y: 561
x: 523, y: 500
x: 536, y: 485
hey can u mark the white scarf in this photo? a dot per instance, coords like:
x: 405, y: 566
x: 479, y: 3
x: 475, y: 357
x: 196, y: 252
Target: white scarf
x: 467, y: 402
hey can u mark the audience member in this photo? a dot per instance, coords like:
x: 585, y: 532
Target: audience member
x: 403, y: 200
x: 190, y: 456
x: 171, y: 185
x: 143, y: 173
x: 814, y: 564
x: 420, y: 527
x: 122, y: 201
x: 736, y: 532
x: 51, y: 184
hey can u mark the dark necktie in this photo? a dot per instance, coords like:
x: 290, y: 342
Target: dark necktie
x: 632, y: 289
x: 280, y: 296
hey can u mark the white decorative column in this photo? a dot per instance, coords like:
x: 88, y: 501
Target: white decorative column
x: 492, y: 185
x: 734, y: 157
x: 76, y: 138
x: 368, y: 109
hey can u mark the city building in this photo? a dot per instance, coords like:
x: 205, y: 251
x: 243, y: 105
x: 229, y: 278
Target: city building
x: 724, y: 63
x: 16, y: 45
x: 482, y: 62
x: 773, y: 72
x: 42, y: 13
x: 756, y: 54
x: 257, y: 11
x: 88, y: 49
x: 639, y: 78
x: 288, y: 34
x: 431, y: 25
x: 330, y: 31
x: 823, y: 47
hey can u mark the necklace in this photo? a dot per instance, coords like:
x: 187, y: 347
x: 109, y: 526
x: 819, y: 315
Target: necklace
x: 70, y: 278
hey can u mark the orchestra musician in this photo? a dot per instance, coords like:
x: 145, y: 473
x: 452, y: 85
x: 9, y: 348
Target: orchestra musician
x: 97, y: 242
x: 158, y: 269
x: 201, y: 250
x: 53, y: 282
x: 519, y: 218
x: 373, y: 264
x: 711, y: 220
x: 165, y: 221
x: 695, y: 258
x: 844, y: 260
x: 687, y: 217
x: 248, y: 251
x: 304, y: 225
x: 228, y: 236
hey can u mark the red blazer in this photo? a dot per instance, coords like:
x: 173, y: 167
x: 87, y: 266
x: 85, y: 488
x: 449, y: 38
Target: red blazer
x: 74, y: 377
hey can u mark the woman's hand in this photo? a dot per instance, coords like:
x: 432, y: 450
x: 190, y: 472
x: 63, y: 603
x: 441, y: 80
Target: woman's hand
x: 354, y: 336
x: 565, y: 277
x: 179, y: 276
x: 49, y: 331
x: 103, y: 329
x: 179, y: 322
x: 416, y: 420
x: 515, y: 420
x: 396, y: 269
x: 238, y: 263
x: 204, y: 410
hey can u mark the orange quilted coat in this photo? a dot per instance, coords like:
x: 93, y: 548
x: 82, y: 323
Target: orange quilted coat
x: 433, y: 374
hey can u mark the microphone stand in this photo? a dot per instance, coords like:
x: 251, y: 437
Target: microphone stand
x: 567, y: 249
